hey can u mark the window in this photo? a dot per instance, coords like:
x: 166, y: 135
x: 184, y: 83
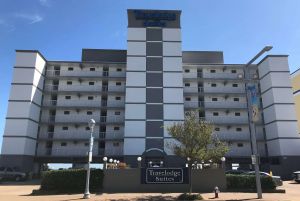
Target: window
x: 187, y: 84
x: 188, y: 98
x: 217, y: 129
x: 63, y: 144
x: 118, y: 98
x: 233, y: 71
x: 215, y: 113
x: 118, y: 83
x: 90, y: 97
x: 187, y: 70
x: 65, y: 128
x: 237, y: 114
x: 67, y: 97
x: 87, y: 128
x: 116, y: 144
x: 236, y: 99
x: 70, y: 69
x: 213, y: 85
x: 89, y: 112
x: 119, y: 69
x: 91, y: 83
x: 117, y: 113
x: 67, y: 112
x: 240, y: 144
x: 238, y: 129
x: 92, y: 69
x: 86, y: 144
x: 69, y: 82
x: 212, y: 71
x: 214, y: 99
x: 235, y: 85
x: 116, y: 128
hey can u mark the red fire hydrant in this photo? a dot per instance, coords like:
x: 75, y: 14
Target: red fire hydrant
x: 217, y: 191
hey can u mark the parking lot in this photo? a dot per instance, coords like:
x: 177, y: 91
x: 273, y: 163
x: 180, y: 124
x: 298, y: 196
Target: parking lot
x: 21, y: 191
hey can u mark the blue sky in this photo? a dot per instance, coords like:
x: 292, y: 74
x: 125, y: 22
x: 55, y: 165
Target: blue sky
x: 61, y: 28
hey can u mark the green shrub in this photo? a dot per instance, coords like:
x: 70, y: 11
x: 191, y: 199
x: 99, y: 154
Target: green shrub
x: 71, y: 181
x: 186, y: 196
x: 248, y: 182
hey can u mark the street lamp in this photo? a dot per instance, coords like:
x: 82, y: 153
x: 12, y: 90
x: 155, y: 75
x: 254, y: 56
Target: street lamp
x: 111, y: 160
x: 86, y: 195
x: 104, y: 162
x: 139, y: 159
x: 223, y: 159
x: 248, y: 79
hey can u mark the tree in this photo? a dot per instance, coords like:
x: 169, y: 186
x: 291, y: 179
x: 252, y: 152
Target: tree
x: 196, y: 141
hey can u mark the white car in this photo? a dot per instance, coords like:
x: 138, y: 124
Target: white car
x: 7, y: 173
x: 277, y: 179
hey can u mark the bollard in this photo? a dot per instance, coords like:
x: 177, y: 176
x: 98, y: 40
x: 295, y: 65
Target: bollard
x: 217, y: 191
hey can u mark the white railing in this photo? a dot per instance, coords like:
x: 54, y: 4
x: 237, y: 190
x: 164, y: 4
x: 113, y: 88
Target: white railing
x: 227, y: 120
x: 190, y: 75
x: 80, y: 87
x: 73, y: 103
x: 112, y: 119
x: 80, y: 135
x: 233, y: 136
x: 84, y: 73
x: 220, y: 75
x: 119, y: 103
x: 82, y: 118
x: 114, y: 152
x: 214, y: 104
x: 214, y: 89
x: 79, y: 152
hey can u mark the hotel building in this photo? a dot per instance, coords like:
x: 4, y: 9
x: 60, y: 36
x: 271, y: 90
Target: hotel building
x: 134, y: 94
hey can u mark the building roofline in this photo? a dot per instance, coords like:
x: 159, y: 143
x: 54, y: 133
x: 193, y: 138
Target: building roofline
x: 33, y: 51
x: 272, y: 55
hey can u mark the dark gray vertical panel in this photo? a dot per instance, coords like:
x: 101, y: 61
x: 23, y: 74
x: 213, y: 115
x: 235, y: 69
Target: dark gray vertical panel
x: 154, y: 95
x: 154, y: 79
x: 154, y: 48
x: 153, y: 34
x: 154, y: 111
x: 155, y: 143
x: 154, y: 129
x: 154, y: 64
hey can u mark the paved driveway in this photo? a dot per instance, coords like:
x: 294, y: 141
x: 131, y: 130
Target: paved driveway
x: 21, y: 191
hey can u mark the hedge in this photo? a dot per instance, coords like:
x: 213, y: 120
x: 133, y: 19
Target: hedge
x: 248, y: 182
x: 71, y: 181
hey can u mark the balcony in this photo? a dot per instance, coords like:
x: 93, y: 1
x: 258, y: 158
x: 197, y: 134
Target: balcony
x: 220, y: 75
x: 222, y: 90
x: 227, y: 120
x: 66, y: 152
x: 118, y: 151
x: 111, y: 135
x: 81, y: 119
x: 80, y: 135
x: 106, y: 103
x: 83, y: 73
x: 233, y: 136
x: 72, y: 103
x: 214, y: 104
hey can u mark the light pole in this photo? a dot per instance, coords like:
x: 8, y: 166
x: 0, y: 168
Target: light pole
x: 139, y: 159
x: 87, y: 184
x: 104, y: 162
x: 223, y: 159
x: 254, y: 157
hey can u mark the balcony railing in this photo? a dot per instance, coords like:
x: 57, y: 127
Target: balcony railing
x: 79, y: 152
x: 82, y: 119
x: 233, y: 136
x: 227, y: 120
x: 84, y: 88
x: 72, y: 103
x: 213, y: 90
x: 224, y: 75
x: 105, y: 103
x: 83, y: 73
x: 214, y: 104
x: 80, y: 135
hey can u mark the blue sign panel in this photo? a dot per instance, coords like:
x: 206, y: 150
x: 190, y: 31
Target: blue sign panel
x: 164, y: 176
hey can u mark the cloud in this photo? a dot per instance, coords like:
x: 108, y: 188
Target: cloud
x: 32, y: 18
x: 6, y: 26
x: 45, y: 3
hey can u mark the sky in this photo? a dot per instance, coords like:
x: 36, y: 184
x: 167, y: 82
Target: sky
x: 59, y: 29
